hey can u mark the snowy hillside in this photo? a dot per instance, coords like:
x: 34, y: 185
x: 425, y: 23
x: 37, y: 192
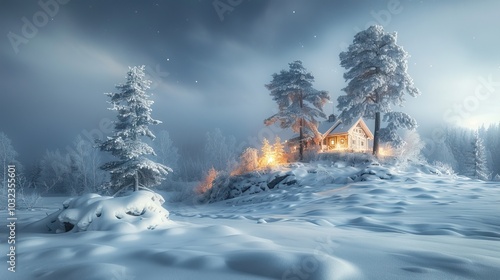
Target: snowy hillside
x: 325, y: 220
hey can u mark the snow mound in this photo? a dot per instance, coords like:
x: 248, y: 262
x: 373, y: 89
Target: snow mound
x: 227, y: 187
x: 340, y: 172
x: 91, y: 212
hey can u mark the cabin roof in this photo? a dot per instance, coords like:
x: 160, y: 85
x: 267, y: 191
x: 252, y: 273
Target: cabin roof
x: 338, y: 127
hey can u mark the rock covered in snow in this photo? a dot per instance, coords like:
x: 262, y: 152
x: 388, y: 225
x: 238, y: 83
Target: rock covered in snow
x: 333, y: 169
x: 227, y: 187
x: 92, y: 212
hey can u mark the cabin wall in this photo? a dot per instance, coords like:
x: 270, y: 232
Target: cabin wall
x: 336, y: 142
x: 358, y: 140
x: 351, y: 141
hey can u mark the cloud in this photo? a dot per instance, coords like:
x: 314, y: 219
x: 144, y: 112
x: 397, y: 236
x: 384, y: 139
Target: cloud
x: 217, y: 70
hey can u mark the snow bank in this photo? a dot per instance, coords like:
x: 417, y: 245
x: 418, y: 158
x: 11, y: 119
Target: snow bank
x: 91, y: 212
x: 343, y: 170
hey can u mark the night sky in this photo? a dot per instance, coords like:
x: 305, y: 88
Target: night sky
x: 209, y: 68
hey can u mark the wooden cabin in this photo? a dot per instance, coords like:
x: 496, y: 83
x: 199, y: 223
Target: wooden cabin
x: 338, y: 136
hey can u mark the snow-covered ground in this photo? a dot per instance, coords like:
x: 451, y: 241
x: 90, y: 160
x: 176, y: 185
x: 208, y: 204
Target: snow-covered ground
x: 336, y: 222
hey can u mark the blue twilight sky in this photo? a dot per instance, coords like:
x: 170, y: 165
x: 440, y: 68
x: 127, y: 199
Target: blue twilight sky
x: 209, y: 66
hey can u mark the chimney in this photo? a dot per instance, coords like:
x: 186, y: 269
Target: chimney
x: 331, y: 118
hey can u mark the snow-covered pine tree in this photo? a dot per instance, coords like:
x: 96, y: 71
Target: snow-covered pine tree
x: 454, y: 140
x: 133, y: 105
x: 478, y: 165
x: 267, y: 153
x: 412, y: 150
x: 220, y: 151
x: 483, y: 134
x: 279, y: 151
x: 166, y: 151
x: 7, y: 156
x: 55, y: 171
x: 496, y: 178
x: 492, y: 145
x: 85, y: 160
x: 249, y: 161
x: 377, y: 74
x: 441, y: 152
x: 299, y: 104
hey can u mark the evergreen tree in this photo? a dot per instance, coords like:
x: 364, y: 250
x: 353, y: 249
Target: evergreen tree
x: 496, y: 178
x: 279, y: 151
x: 167, y: 153
x: 86, y: 176
x: 441, y: 152
x: 249, y: 161
x: 492, y: 145
x: 7, y: 156
x: 55, y: 172
x: 458, y: 146
x: 133, y: 106
x: 220, y: 151
x: 299, y: 104
x: 412, y: 150
x: 267, y: 153
x: 478, y: 164
x: 377, y: 74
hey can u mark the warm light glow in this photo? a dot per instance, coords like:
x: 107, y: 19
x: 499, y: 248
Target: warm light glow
x: 270, y: 160
x: 207, y: 182
x: 385, y: 151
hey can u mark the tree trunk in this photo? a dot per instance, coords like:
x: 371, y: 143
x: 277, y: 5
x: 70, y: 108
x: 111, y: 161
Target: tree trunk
x: 301, y: 133
x: 136, y: 185
x: 301, y: 142
x: 376, y: 135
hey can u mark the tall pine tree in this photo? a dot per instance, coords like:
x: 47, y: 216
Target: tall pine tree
x: 299, y: 104
x: 133, y: 168
x: 279, y: 151
x: 492, y: 144
x: 376, y: 70
x: 267, y: 153
x: 7, y: 156
x: 478, y: 164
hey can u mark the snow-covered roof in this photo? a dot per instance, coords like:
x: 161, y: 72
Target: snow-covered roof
x: 324, y: 126
x: 338, y: 127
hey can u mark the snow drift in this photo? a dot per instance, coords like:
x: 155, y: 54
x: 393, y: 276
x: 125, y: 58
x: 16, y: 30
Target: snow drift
x: 91, y: 212
x: 387, y: 222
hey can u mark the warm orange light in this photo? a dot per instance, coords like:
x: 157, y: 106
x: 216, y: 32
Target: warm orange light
x: 270, y: 160
x: 385, y: 151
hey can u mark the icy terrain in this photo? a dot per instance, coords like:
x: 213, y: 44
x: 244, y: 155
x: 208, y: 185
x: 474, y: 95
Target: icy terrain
x: 335, y: 221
